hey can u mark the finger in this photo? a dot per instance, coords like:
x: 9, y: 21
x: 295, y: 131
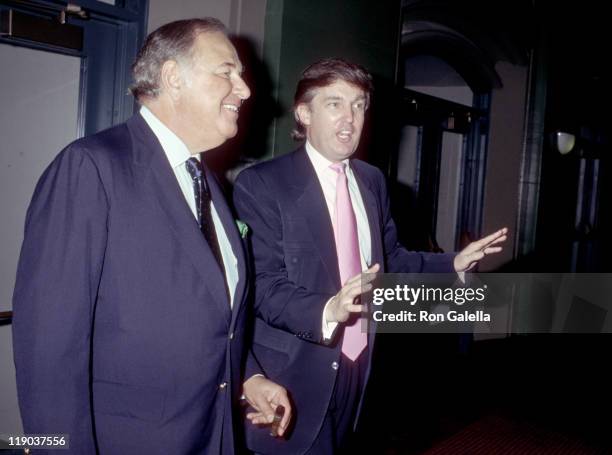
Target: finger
x: 367, y: 275
x: 373, y: 269
x: 257, y: 418
x: 483, y: 242
x: 358, y: 279
x: 352, y: 308
x: 496, y: 235
x: 263, y: 406
x: 355, y: 291
x: 501, y: 239
x: 284, y: 423
x: 253, y: 415
x: 368, y: 278
x: 262, y: 420
x: 492, y: 250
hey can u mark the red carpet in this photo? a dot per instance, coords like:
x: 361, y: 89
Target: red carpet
x: 496, y: 435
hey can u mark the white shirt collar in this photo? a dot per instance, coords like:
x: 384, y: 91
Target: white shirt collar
x: 175, y: 149
x: 320, y: 162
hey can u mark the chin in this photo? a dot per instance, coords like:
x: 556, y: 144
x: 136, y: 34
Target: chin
x: 344, y: 154
x: 229, y: 131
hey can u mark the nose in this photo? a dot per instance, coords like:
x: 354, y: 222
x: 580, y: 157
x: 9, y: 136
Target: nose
x: 241, y: 89
x: 349, y: 114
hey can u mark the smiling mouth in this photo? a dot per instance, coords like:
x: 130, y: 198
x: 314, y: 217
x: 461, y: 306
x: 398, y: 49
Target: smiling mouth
x: 231, y: 107
x: 344, y: 135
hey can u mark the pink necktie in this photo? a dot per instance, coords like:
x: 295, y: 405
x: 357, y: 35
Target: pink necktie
x: 349, y: 263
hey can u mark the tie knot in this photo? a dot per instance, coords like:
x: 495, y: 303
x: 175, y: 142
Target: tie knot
x: 338, y: 167
x: 194, y: 167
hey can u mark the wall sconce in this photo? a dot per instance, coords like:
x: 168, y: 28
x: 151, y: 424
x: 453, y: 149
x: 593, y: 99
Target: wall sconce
x: 563, y: 142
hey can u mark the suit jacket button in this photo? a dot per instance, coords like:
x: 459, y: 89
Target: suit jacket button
x: 231, y: 335
x: 335, y: 365
x: 222, y: 386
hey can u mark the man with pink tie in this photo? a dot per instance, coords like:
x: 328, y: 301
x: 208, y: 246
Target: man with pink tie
x: 320, y: 219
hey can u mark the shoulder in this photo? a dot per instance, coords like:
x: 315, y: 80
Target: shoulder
x: 111, y: 142
x: 87, y: 160
x: 97, y: 148
x: 369, y: 173
x: 274, y: 172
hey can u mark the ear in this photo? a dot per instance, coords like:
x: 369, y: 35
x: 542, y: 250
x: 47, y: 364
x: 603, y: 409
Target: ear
x: 302, y: 114
x: 171, y: 79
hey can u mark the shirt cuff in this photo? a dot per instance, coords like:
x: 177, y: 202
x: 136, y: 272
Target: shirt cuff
x: 328, y: 328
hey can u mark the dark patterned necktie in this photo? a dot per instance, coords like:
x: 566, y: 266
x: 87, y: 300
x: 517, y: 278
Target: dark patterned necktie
x: 203, y: 200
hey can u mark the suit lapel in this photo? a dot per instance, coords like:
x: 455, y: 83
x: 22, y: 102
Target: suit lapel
x: 165, y: 190
x: 311, y: 201
x: 372, y: 207
x: 231, y: 230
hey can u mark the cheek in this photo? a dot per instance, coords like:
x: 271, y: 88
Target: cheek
x: 224, y: 88
x: 359, y: 126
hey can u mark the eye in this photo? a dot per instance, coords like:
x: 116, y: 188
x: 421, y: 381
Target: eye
x: 334, y: 104
x: 225, y: 72
x: 360, y: 105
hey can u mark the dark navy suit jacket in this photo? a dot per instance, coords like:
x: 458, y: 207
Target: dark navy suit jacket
x: 123, y: 333
x: 297, y: 272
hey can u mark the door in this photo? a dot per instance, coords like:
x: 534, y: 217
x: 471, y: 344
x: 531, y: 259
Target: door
x: 436, y: 173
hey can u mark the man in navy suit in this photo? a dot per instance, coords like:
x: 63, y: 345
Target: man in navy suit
x: 129, y: 306
x: 316, y: 213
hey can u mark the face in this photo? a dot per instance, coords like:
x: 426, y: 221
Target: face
x: 210, y: 93
x: 334, y: 119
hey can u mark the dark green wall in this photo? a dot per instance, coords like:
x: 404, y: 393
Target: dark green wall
x: 299, y: 32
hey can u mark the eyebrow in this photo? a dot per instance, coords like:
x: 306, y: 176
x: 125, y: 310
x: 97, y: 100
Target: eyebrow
x: 239, y: 68
x: 339, y: 98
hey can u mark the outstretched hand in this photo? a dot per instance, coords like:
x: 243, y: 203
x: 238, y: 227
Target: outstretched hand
x: 467, y: 258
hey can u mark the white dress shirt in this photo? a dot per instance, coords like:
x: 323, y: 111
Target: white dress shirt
x: 327, y: 178
x: 177, y: 153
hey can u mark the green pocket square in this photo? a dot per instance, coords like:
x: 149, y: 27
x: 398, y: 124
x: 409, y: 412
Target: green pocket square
x: 242, y: 228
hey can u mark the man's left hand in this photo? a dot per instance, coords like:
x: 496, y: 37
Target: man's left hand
x: 265, y: 395
x: 467, y: 258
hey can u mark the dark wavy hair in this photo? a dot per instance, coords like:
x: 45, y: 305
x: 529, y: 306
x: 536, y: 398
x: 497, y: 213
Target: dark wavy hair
x: 172, y: 41
x: 323, y: 73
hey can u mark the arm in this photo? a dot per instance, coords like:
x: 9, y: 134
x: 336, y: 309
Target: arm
x: 400, y: 260
x: 56, y: 288
x: 279, y: 301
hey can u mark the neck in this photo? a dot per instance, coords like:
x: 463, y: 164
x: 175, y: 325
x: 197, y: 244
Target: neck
x: 169, y: 116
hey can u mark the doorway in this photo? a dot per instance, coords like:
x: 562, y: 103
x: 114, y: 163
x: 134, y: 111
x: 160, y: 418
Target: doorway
x: 438, y: 172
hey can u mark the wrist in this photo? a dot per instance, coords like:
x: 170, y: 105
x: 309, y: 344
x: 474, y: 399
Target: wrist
x: 328, y: 312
